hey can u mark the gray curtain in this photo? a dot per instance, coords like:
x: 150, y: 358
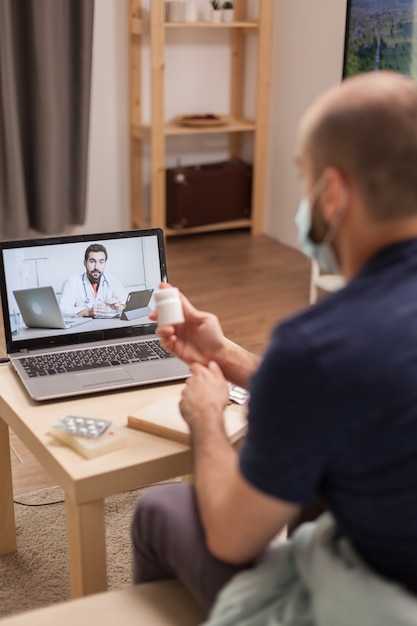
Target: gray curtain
x: 45, y: 81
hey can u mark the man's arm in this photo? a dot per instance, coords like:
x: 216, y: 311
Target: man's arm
x: 237, y: 364
x: 69, y: 296
x: 238, y: 519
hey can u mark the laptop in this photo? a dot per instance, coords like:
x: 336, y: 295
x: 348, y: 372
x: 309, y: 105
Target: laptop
x: 137, y: 304
x: 40, y: 309
x: 56, y: 360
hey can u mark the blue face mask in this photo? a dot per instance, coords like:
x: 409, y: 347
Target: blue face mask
x: 322, y: 251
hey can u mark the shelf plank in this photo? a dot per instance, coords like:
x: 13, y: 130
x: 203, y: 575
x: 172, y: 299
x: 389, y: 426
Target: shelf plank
x: 173, y: 128
x: 207, y: 228
x: 233, y: 126
x: 246, y: 24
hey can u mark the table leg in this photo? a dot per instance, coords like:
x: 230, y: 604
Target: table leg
x: 7, y: 522
x: 86, y: 547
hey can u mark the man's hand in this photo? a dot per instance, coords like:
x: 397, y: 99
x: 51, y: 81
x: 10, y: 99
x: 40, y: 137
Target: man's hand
x: 205, y: 396
x: 115, y: 305
x: 99, y: 309
x: 199, y: 339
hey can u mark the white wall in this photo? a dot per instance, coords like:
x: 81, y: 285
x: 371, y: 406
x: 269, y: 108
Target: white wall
x: 307, y: 58
x: 108, y: 163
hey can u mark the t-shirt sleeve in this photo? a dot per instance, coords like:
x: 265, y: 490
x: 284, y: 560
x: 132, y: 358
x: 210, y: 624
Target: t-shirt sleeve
x: 289, y: 421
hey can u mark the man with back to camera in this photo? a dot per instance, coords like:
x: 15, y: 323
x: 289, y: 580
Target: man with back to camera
x: 93, y: 293
x: 333, y: 408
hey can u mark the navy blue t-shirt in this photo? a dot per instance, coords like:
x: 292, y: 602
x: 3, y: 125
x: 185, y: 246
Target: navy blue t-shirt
x: 333, y: 412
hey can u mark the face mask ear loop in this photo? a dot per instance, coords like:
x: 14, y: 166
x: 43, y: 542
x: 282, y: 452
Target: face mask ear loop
x: 313, y: 197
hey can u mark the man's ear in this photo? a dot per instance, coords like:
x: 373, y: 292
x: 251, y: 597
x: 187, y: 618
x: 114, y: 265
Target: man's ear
x: 335, y: 194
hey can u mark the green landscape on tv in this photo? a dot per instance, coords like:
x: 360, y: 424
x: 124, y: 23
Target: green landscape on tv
x: 381, y: 34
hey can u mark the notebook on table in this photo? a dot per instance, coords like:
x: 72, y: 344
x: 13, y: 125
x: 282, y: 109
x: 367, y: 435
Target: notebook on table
x: 58, y: 359
x: 162, y: 417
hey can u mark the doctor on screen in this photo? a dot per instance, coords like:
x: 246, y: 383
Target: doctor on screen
x: 93, y: 293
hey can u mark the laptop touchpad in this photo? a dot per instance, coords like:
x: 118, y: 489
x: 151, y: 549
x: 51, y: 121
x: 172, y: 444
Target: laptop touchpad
x: 110, y: 377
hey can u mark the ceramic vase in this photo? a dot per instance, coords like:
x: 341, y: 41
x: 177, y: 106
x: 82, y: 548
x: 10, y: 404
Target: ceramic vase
x: 228, y: 15
x: 216, y: 16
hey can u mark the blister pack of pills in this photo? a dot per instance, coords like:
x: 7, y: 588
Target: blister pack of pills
x: 238, y: 394
x: 82, y: 426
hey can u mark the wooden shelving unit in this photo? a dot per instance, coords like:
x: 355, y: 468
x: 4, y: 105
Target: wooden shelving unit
x: 156, y: 132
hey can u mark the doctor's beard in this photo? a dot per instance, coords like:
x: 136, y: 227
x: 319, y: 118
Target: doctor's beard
x: 94, y: 276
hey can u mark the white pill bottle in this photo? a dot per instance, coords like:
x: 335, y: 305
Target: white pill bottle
x: 168, y: 306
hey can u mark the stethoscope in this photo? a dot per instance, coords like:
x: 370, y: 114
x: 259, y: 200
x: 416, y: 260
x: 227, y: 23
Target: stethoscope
x: 87, y: 299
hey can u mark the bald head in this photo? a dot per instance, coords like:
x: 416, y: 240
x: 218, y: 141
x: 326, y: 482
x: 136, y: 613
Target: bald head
x: 367, y: 128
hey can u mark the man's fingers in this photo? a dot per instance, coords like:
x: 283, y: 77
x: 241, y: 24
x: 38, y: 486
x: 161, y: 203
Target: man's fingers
x: 196, y: 368
x: 166, y: 332
x: 214, y: 367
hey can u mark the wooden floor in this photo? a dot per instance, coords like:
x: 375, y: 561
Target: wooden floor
x: 249, y: 282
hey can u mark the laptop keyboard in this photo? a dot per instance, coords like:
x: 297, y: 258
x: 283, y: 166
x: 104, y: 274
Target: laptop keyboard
x: 93, y: 358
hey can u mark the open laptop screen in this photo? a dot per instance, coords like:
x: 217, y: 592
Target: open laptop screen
x: 46, y: 282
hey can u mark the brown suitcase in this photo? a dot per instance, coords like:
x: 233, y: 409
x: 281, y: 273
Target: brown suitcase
x: 207, y: 194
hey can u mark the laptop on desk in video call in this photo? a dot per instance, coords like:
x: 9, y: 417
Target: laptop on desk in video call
x: 40, y: 309
x: 45, y: 284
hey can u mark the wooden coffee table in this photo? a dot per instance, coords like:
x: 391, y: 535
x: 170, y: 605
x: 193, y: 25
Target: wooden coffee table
x: 86, y: 482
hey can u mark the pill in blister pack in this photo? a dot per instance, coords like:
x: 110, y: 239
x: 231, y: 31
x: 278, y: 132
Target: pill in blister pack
x: 82, y: 426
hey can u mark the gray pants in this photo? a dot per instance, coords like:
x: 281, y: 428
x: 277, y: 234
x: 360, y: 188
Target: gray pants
x: 168, y: 542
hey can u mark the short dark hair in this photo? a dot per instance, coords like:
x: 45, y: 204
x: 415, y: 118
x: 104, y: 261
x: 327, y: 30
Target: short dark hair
x: 372, y: 138
x: 95, y: 247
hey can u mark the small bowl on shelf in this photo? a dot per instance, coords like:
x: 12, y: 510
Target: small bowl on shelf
x: 202, y: 120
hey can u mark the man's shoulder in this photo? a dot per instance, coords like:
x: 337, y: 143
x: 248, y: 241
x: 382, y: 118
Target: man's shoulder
x: 335, y: 321
x: 331, y: 309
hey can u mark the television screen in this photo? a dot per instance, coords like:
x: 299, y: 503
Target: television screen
x: 381, y: 34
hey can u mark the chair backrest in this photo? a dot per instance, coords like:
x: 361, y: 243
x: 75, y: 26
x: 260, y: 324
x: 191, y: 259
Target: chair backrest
x: 323, y: 282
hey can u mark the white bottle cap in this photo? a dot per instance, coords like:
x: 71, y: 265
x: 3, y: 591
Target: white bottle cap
x: 168, y: 306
